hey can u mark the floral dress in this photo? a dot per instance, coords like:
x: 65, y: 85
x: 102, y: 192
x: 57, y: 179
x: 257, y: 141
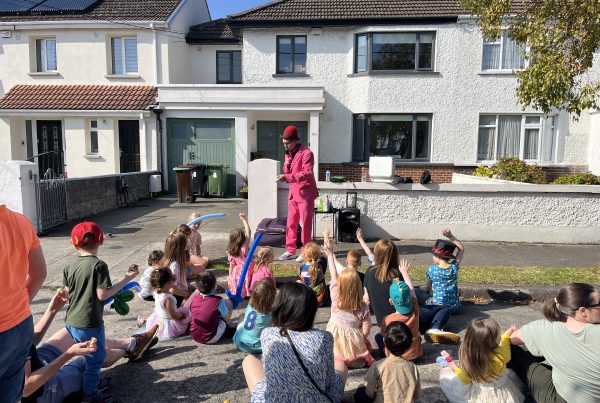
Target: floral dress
x: 236, y: 264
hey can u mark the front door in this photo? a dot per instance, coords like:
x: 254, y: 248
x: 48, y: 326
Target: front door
x: 50, y: 149
x: 129, y: 145
x: 269, y: 138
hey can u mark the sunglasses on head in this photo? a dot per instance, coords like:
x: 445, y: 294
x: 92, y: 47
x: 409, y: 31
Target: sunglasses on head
x: 593, y: 306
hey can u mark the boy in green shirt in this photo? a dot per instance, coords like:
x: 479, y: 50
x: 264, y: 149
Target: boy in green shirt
x: 88, y: 285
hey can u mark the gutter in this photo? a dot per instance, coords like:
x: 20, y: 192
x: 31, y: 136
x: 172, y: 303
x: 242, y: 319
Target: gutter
x: 73, y: 112
x: 82, y: 24
x: 342, y: 23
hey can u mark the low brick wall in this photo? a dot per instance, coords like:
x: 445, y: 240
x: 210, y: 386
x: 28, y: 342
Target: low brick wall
x: 93, y: 195
x: 440, y: 173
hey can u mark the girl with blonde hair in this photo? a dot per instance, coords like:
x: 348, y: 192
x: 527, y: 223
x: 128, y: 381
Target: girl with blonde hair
x: 350, y: 322
x: 312, y: 272
x: 263, y: 257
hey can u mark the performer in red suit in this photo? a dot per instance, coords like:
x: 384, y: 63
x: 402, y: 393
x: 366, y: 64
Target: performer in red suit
x: 298, y: 172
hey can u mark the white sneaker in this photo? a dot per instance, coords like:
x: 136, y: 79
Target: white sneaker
x: 438, y: 336
x: 286, y: 256
x: 300, y: 259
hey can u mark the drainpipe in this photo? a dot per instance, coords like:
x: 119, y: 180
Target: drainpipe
x: 158, y: 110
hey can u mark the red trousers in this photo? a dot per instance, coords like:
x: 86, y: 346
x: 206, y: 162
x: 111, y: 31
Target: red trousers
x: 302, y: 213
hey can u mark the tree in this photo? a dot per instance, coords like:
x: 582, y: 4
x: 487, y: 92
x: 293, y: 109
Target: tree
x: 561, y: 37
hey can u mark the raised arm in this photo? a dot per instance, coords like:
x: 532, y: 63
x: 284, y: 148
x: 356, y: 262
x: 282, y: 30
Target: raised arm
x: 328, y: 250
x: 59, y: 299
x: 246, y: 227
x: 359, y: 236
x: 404, y: 266
x: 327, y: 242
x: 461, y: 248
x: 106, y: 293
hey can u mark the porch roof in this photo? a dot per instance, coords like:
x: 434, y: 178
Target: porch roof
x: 79, y: 97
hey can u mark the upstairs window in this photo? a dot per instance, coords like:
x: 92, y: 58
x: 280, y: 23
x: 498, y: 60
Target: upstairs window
x: 229, y: 67
x: 394, y: 51
x: 124, y: 55
x: 502, y: 53
x: 45, y: 54
x: 406, y: 137
x: 291, y: 54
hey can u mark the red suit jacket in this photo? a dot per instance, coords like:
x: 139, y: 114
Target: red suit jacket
x: 299, y: 174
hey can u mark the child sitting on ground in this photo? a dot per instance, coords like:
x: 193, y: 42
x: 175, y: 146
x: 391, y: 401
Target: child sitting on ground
x: 237, y: 250
x: 172, y: 322
x: 481, y: 375
x: 154, y: 263
x: 312, y: 271
x: 262, y: 258
x: 256, y: 317
x: 196, y: 263
x: 394, y: 379
x: 350, y: 322
x: 442, y: 276
x: 176, y: 259
x: 195, y: 243
x: 209, y: 312
x: 88, y: 285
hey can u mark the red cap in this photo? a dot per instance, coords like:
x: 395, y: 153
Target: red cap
x: 87, y: 227
x: 290, y: 133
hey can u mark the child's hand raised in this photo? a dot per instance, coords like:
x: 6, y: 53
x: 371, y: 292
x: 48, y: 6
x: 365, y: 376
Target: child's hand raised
x: 133, y: 271
x: 404, y: 266
x: 447, y: 233
x: 359, y: 234
x: 327, y: 249
x: 327, y: 233
x: 242, y: 216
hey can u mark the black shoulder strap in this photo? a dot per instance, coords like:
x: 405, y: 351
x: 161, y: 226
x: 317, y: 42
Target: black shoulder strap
x: 321, y: 391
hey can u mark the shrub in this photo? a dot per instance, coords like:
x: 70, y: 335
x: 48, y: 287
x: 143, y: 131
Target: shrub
x: 512, y: 169
x: 484, y: 171
x: 578, y: 179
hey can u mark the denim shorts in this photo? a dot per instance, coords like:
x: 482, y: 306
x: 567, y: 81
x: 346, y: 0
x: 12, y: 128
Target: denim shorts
x: 15, y: 343
x: 67, y: 380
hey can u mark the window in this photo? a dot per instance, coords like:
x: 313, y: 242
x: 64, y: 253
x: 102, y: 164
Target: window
x: 124, y: 55
x: 45, y: 55
x: 229, y: 67
x: 528, y: 137
x: 394, y: 51
x: 93, y: 137
x: 406, y: 137
x: 502, y: 53
x: 291, y: 54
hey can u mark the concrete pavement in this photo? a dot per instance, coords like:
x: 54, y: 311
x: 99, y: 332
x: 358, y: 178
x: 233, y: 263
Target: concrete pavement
x: 180, y: 370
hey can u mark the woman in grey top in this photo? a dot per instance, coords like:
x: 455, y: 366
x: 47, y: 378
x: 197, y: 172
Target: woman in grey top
x: 569, y: 341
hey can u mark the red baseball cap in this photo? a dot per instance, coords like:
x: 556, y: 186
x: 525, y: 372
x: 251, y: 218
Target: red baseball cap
x: 82, y: 229
x: 290, y: 133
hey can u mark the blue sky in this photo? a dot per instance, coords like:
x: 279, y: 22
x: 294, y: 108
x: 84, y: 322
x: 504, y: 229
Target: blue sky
x: 222, y: 8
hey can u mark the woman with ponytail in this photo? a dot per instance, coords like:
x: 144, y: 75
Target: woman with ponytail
x: 569, y: 341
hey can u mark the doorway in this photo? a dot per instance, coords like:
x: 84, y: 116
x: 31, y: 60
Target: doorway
x: 129, y: 145
x: 50, y: 149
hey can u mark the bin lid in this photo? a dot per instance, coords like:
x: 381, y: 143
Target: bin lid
x: 182, y: 168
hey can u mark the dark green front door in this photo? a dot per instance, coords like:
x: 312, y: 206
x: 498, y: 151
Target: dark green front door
x: 206, y: 141
x: 269, y: 137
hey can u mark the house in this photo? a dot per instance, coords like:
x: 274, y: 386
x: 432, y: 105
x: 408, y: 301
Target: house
x: 79, y: 78
x: 412, y: 79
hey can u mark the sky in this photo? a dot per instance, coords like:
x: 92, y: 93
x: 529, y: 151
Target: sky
x: 222, y: 8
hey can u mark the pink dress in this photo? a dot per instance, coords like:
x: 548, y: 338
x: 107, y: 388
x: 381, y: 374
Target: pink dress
x: 167, y: 328
x: 236, y: 264
x: 262, y: 272
x: 350, y: 331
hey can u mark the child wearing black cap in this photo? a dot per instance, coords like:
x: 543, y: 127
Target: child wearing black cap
x: 442, y: 275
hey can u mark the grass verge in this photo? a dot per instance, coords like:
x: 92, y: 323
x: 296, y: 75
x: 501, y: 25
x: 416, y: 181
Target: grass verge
x: 478, y: 274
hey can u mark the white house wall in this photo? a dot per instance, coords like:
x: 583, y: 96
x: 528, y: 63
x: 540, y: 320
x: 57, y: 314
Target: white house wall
x: 456, y: 93
x: 203, y: 59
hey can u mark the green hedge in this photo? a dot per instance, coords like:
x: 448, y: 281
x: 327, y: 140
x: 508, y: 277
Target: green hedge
x: 578, y: 179
x: 512, y: 169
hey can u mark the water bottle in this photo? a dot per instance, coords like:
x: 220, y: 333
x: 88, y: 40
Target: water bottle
x: 327, y: 176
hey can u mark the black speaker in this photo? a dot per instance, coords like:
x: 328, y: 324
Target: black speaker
x: 348, y: 223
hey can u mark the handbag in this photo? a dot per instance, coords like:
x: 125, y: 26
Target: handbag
x: 321, y: 391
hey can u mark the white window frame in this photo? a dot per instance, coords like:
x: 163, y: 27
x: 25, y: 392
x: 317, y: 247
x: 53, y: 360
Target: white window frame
x: 43, y: 63
x: 542, y: 127
x: 92, y: 129
x: 123, y: 55
x: 500, y: 40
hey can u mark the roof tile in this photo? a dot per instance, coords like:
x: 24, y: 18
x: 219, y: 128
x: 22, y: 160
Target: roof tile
x: 217, y: 31
x: 80, y: 97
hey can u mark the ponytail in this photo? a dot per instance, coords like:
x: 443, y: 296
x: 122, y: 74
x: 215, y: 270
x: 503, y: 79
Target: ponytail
x: 553, y: 313
x: 568, y: 301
